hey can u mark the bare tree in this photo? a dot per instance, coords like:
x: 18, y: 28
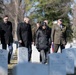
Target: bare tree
x: 16, y: 10
x: 1, y: 9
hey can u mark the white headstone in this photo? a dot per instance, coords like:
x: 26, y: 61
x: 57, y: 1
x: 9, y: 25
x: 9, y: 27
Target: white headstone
x: 57, y: 65
x: 69, y: 66
x: 35, y: 54
x: 31, y: 69
x: 74, y: 40
x: 14, y: 48
x: 71, y: 53
x: 3, y: 62
x: 22, y: 55
x: 0, y: 46
x: 68, y: 45
x: 69, y: 61
x: 73, y: 45
x: 14, y: 51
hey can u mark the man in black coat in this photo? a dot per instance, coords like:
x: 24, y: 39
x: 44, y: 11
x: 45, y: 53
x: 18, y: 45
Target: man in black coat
x: 6, y: 35
x: 42, y: 42
x: 24, y: 34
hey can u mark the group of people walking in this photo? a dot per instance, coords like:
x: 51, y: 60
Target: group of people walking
x: 42, y: 37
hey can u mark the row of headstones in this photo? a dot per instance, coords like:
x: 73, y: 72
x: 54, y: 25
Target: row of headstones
x: 58, y: 63
x: 22, y: 57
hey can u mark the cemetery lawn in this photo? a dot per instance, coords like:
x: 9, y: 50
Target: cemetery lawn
x: 13, y: 63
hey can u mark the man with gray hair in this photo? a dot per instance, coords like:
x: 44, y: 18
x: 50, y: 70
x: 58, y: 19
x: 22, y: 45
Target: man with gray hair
x: 24, y: 34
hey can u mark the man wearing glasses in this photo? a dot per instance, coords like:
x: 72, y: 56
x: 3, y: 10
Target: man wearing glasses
x: 6, y: 35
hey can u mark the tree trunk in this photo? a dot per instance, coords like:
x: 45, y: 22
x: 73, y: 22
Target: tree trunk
x: 15, y: 32
x: 16, y: 18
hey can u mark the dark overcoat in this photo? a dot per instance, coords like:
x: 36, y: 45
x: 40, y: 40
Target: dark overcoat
x: 24, y: 33
x: 6, y: 32
x: 42, y: 39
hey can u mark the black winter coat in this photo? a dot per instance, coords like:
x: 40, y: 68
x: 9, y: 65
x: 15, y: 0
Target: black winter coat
x: 42, y: 39
x: 24, y: 33
x: 6, y: 32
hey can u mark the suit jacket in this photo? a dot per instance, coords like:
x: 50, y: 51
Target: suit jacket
x: 58, y: 35
x: 24, y: 33
x: 6, y: 32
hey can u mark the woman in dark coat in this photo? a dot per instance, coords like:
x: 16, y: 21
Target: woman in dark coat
x: 42, y: 42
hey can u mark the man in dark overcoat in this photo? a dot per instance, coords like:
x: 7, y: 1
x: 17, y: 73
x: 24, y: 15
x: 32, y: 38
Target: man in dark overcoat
x: 6, y: 35
x: 24, y: 34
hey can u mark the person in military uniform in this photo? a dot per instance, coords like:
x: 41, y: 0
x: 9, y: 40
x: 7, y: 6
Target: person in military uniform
x: 58, y: 36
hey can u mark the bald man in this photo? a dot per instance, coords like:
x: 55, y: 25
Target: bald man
x: 24, y: 34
